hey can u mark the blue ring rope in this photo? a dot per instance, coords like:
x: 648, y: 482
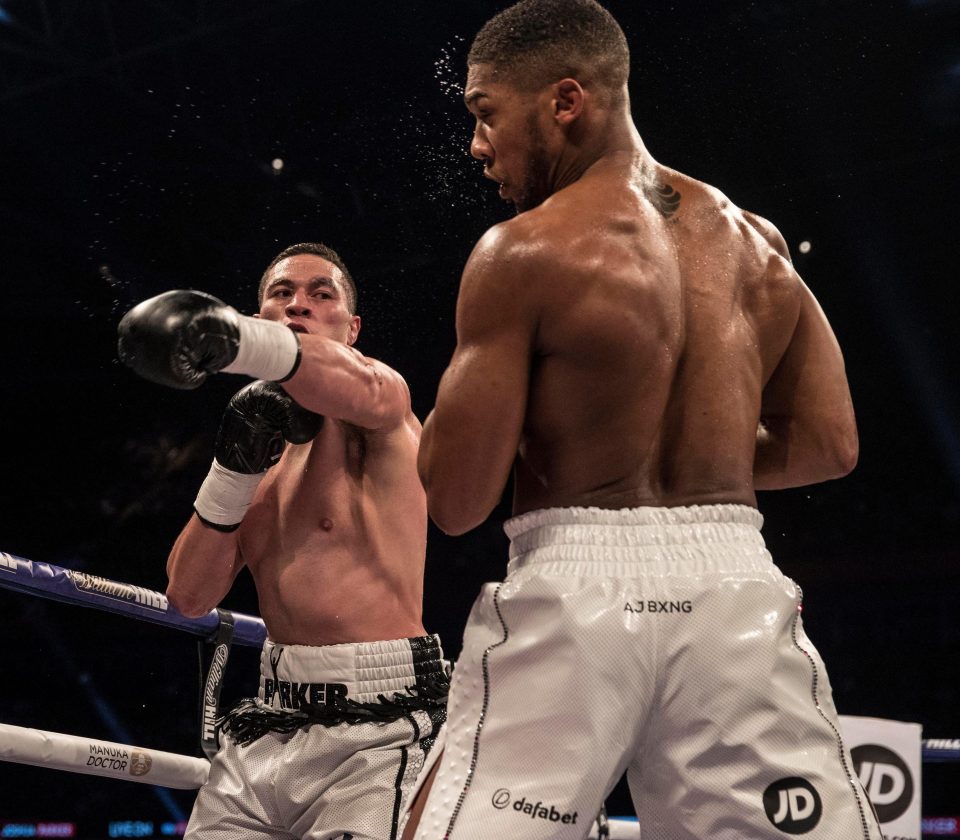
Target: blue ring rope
x: 85, y: 590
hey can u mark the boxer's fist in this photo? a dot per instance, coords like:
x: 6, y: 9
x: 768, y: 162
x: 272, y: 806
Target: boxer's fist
x: 302, y: 425
x: 258, y: 420
x: 179, y: 337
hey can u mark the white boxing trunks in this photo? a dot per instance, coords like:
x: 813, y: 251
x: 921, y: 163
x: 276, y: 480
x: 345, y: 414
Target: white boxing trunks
x: 662, y: 642
x: 318, y: 778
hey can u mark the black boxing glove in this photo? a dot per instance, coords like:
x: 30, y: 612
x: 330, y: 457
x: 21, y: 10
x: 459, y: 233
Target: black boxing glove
x: 180, y: 337
x: 257, y: 423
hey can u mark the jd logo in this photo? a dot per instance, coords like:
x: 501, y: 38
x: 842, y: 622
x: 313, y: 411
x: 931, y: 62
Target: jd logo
x: 886, y: 779
x: 792, y: 805
x: 501, y: 798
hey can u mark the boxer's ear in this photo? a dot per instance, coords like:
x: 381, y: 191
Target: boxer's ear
x: 568, y: 101
x: 354, y: 330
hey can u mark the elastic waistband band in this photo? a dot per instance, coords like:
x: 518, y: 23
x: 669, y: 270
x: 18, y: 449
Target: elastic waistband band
x: 695, y: 538
x: 292, y: 676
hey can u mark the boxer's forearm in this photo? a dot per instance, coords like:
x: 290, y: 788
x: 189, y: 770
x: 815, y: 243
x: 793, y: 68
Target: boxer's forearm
x: 337, y: 381
x: 461, y: 477
x: 789, y: 455
x: 201, y: 568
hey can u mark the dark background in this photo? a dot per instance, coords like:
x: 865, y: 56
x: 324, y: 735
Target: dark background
x: 136, y: 142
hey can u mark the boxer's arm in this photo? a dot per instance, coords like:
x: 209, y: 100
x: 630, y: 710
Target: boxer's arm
x: 807, y: 431
x: 258, y: 421
x: 470, y: 439
x: 201, y: 568
x: 338, y: 381
x: 182, y: 336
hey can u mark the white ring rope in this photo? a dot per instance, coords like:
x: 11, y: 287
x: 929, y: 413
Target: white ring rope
x: 101, y: 758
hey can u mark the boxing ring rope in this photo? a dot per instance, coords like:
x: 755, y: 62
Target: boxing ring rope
x: 121, y: 761
x: 75, y: 754
x: 67, y: 586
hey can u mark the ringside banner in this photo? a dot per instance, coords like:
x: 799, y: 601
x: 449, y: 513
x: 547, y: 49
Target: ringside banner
x: 886, y: 758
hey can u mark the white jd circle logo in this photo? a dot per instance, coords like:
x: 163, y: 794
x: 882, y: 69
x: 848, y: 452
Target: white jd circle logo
x: 500, y: 798
x: 792, y: 805
x: 886, y: 779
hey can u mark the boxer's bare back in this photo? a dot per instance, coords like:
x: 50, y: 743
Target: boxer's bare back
x: 631, y: 339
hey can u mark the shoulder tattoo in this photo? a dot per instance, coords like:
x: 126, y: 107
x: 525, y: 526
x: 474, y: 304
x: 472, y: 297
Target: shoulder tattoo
x: 666, y: 199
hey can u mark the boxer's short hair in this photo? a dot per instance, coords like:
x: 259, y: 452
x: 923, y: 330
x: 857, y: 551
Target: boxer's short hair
x: 536, y: 42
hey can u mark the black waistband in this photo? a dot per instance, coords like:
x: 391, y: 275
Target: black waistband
x: 251, y: 719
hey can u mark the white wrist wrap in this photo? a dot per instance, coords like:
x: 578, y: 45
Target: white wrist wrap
x: 225, y: 495
x: 267, y: 350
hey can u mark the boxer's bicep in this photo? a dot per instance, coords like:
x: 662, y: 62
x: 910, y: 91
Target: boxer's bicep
x: 471, y: 438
